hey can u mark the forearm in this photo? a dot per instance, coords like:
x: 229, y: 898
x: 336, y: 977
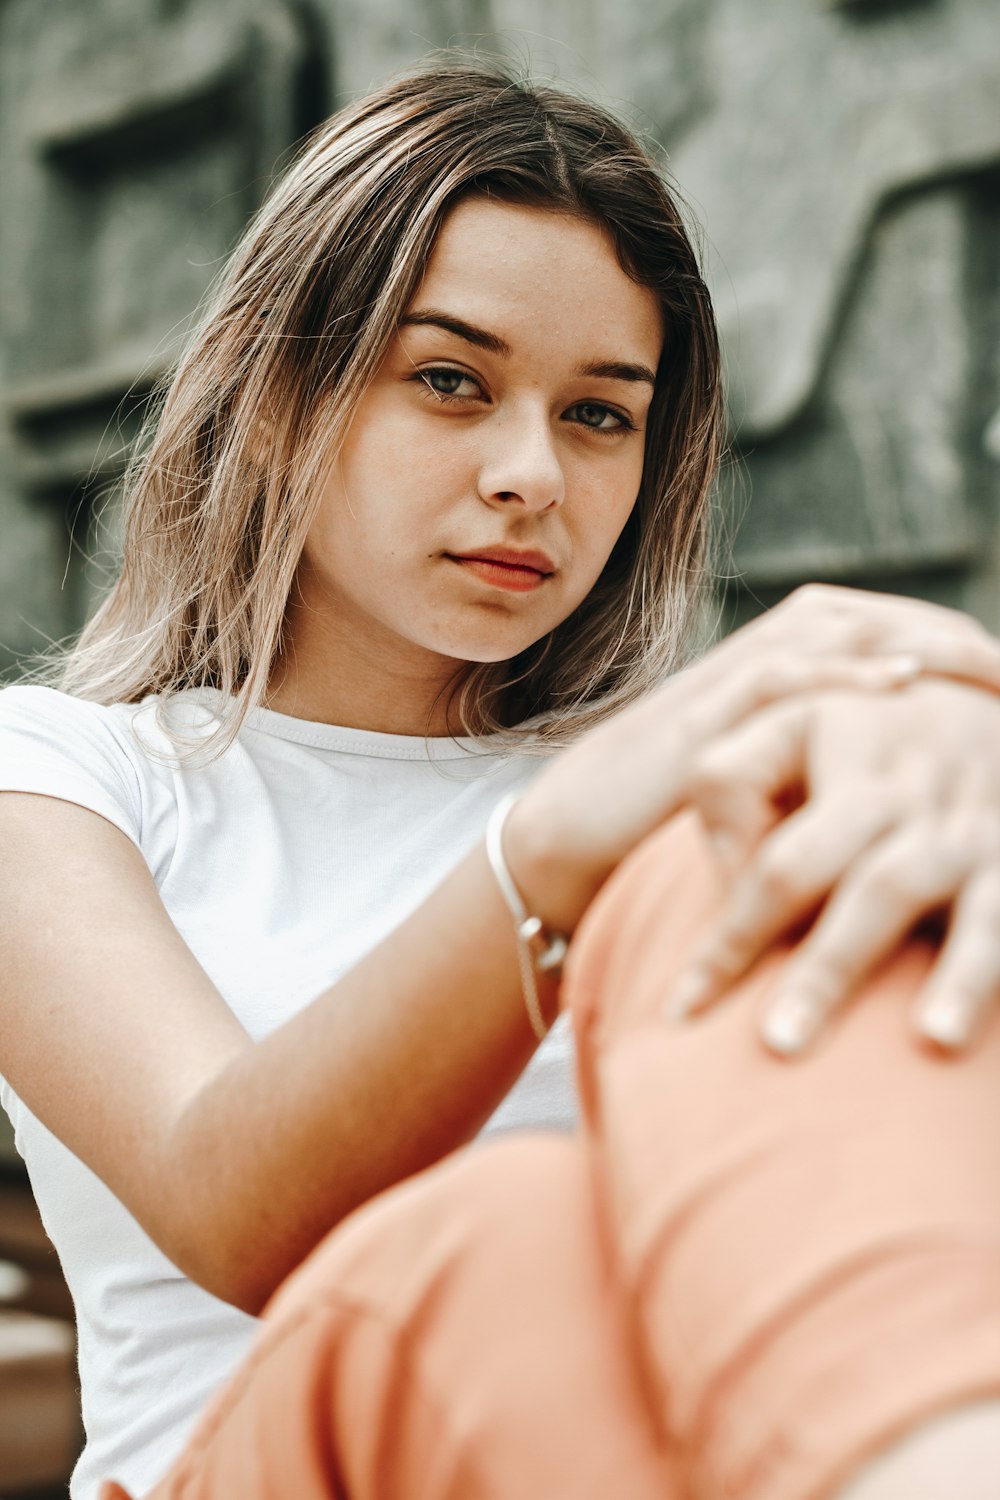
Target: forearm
x: 399, y: 1062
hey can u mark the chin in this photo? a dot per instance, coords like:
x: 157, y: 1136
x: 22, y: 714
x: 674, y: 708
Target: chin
x: 482, y: 653
x: 484, y: 645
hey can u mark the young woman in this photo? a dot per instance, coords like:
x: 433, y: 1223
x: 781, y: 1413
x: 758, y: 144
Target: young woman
x: 426, y: 501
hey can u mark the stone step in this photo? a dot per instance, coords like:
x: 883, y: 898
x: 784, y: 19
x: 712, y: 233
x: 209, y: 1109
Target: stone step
x: 39, y: 1401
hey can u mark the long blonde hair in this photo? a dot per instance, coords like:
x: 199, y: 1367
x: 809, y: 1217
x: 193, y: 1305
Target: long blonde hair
x: 221, y: 492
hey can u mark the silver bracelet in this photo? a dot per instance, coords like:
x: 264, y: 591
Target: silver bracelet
x: 538, y: 949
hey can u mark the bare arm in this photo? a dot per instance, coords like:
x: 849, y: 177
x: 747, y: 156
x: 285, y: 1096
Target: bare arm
x: 237, y: 1156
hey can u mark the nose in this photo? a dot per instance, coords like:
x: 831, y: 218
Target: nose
x: 520, y: 464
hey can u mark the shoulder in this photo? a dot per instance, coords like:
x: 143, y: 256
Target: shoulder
x: 159, y: 729
x: 32, y: 713
x: 54, y: 744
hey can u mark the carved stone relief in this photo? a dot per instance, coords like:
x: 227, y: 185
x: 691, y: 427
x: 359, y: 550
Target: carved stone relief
x: 844, y: 171
x: 138, y: 136
x: 844, y: 157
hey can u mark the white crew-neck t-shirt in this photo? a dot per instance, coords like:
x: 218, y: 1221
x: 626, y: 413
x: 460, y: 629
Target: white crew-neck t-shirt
x: 281, y: 864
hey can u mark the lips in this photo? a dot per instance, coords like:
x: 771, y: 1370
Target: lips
x: 510, y: 557
x: 516, y: 570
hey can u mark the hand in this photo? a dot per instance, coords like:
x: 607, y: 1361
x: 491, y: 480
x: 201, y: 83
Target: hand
x: 820, y: 620
x: 897, y: 817
x: 589, y: 808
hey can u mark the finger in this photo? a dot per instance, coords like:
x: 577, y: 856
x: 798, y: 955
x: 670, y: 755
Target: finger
x: 901, y: 879
x: 699, y: 715
x: 784, y: 675
x: 947, y: 644
x: 746, y: 778
x: 795, y: 869
x: 965, y: 984
x: 737, y: 781
x: 826, y: 617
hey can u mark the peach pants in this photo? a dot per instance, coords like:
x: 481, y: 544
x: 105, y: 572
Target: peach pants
x: 740, y: 1280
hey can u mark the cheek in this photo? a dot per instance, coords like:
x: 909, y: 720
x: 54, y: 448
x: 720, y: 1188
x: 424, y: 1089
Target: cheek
x: 399, y: 478
x: 604, y: 513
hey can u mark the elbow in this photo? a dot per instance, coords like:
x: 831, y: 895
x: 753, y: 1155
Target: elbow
x: 238, y: 1254
x: 225, y: 1282
x: 233, y: 1269
x: 226, y: 1224
x: 207, y: 1218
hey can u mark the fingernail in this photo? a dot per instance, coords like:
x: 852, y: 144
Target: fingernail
x: 686, y: 995
x: 789, y: 1026
x: 944, y: 1021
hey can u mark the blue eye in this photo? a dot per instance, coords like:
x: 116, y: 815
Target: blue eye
x: 594, y: 415
x: 446, y: 382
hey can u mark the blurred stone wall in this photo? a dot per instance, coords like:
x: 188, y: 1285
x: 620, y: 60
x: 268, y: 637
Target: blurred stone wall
x: 847, y: 165
x: 136, y: 136
x: 844, y: 158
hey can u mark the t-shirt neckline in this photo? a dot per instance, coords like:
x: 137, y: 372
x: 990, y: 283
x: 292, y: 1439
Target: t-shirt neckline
x: 322, y: 736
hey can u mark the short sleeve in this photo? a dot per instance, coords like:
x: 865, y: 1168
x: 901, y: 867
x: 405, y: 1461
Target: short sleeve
x: 59, y: 746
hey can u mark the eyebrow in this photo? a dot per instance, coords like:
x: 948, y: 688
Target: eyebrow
x: 481, y: 337
x: 601, y: 369
x: 616, y: 369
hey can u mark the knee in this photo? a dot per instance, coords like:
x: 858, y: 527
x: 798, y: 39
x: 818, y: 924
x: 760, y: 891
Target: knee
x: 393, y: 1252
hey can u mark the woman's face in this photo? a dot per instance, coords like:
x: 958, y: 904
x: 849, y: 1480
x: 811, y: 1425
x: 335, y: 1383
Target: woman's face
x: 495, y: 459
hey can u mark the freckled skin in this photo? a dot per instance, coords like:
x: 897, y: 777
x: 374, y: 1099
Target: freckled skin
x: 456, y: 447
